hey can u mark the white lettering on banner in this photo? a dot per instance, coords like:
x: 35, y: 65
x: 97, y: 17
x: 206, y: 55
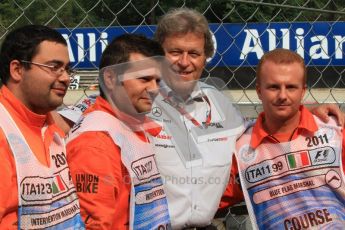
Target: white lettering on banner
x: 252, y: 37
x: 339, y: 40
x: 91, y: 52
x: 300, y: 42
x: 272, y: 39
x: 286, y: 38
x: 319, y: 50
x: 70, y: 53
x: 104, y: 41
x: 312, y: 41
x: 80, y: 41
x: 92, y: 40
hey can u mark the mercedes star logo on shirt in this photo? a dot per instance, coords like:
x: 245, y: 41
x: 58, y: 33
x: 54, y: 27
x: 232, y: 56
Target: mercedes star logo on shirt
x: 157, y: 112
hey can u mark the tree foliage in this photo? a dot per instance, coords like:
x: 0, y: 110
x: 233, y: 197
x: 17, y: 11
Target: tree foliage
x: 103, y: 13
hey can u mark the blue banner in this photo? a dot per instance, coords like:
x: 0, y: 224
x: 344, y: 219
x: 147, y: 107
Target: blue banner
x: 319, y: 43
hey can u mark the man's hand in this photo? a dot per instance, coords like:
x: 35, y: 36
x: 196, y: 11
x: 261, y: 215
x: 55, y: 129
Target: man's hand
x: 324, y: 111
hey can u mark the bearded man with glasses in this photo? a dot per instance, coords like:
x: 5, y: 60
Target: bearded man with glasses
x: 57, y: 68
x: 35, y: 190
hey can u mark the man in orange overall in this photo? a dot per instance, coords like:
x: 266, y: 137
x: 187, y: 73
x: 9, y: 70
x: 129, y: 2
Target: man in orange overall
x: 35, y: 190
x: 109, y: 151
x: 291, y: 163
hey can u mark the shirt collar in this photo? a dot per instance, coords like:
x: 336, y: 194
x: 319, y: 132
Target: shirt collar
x: 21, y: 111
x: 196, y: 95
x: 307, y: 123
x: 137, y: 126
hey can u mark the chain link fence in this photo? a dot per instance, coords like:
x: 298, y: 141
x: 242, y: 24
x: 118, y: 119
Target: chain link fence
x: 243, y: 30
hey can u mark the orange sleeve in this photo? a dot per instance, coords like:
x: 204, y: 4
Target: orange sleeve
x: 97, y: 172
x: 8, y: 187
x: 233, y: 193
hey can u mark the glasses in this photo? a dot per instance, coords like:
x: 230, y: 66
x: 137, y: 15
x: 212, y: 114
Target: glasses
x: 57, y: 69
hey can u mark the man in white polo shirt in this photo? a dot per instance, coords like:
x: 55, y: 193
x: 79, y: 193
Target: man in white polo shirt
x: 200, y: 125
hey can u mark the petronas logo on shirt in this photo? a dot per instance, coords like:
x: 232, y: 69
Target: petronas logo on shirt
x: 298, y: 160
x: 58, y: 184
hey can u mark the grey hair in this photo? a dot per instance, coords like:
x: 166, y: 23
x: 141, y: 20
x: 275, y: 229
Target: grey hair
x: 182, y: 21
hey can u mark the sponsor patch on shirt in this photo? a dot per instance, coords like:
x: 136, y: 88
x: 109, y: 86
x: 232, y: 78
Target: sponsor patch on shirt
x: 86, y: 183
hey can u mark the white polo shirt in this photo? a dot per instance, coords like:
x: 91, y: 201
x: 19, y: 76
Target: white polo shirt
x: 194, y: 161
